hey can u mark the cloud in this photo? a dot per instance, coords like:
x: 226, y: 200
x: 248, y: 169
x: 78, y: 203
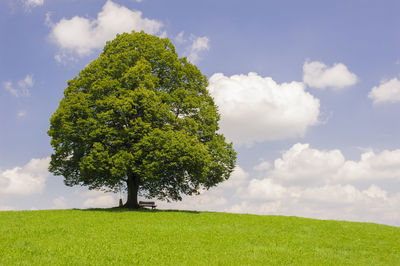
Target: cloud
x: 237, y: 179
x: 21, y: 113
x: 304, y: 165
x: 81, y: 36
x: 311, y: 183
x: 60, y: 203
x: 23, y: 86
x: 199, y: 44
x: 193, y: 46
x: 47, y: 20
x: 251, y: 207
x: 6, y: 208
x: 265, y: 189
x: 180, y: 38
x: 26, y: 83
x: 163, y: 35
x: 207, y: 201
x: 318, y: 75
x: 323, y: 184
x: 29, y: 4
x: 99, y: 199
x: 262, y: 166
x: 340, y: 202
x: 257, y: 109
x: 376, y: 167
x: 214, y: 199
x: 8, y: 85
x: 26, y: 180
x: 387, y: 91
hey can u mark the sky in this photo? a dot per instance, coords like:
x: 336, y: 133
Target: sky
x: 308, y: 91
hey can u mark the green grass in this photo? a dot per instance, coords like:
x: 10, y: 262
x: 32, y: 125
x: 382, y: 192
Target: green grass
x: 115, y: 237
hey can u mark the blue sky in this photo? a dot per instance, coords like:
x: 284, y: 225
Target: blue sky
x: 309, y: 93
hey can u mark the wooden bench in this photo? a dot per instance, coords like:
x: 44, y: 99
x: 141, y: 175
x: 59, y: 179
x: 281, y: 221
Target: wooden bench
x: 151, y: 204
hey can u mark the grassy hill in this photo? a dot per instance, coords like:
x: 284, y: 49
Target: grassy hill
x: 106, y: 237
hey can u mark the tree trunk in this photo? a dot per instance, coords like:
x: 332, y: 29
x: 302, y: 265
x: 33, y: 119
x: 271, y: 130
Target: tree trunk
x: 133, y: 188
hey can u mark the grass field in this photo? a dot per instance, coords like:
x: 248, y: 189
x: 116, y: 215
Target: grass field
x: 117, y: 237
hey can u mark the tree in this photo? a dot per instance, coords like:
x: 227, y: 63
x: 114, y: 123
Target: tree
x: 139, y: 118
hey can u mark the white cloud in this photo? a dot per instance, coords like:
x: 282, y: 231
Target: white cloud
x: 81, y: 36
x: 318, y: 75
x: 340, y: 202
x: 21, y: 113
x: 10, y: 88
x: 47, y: 20
x: 23, y: 86
x: 29, y: 4
x: 263, y: 166
x: 265, y: 189
x: 376, y: 192
x: 34, y: 2
x: 378, y: 167
x: 387, y: 91
x: 331, y: 194
x: 303, y: 165
x: 199, y: 44
x: 193, y: 46
x: 163, y: 35
x: 332, y: 198
x: 350, y: 203
x: 6, y: 208
x: 310, y: 183
x: 207, y: 201
x: 323, y: 184
x: 257, y: 109
x: 254, y: 208
x: 99, y: 199
x: 237, y: 179
x: 213, y: 199
x: 26, y: 83
x: 180, y: 39
x: 26, y: 180
x: 60, y: 203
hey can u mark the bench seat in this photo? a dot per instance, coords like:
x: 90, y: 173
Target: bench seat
x: 151, y: 204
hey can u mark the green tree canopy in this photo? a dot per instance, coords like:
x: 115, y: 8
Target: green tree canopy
x: 140, y: 118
